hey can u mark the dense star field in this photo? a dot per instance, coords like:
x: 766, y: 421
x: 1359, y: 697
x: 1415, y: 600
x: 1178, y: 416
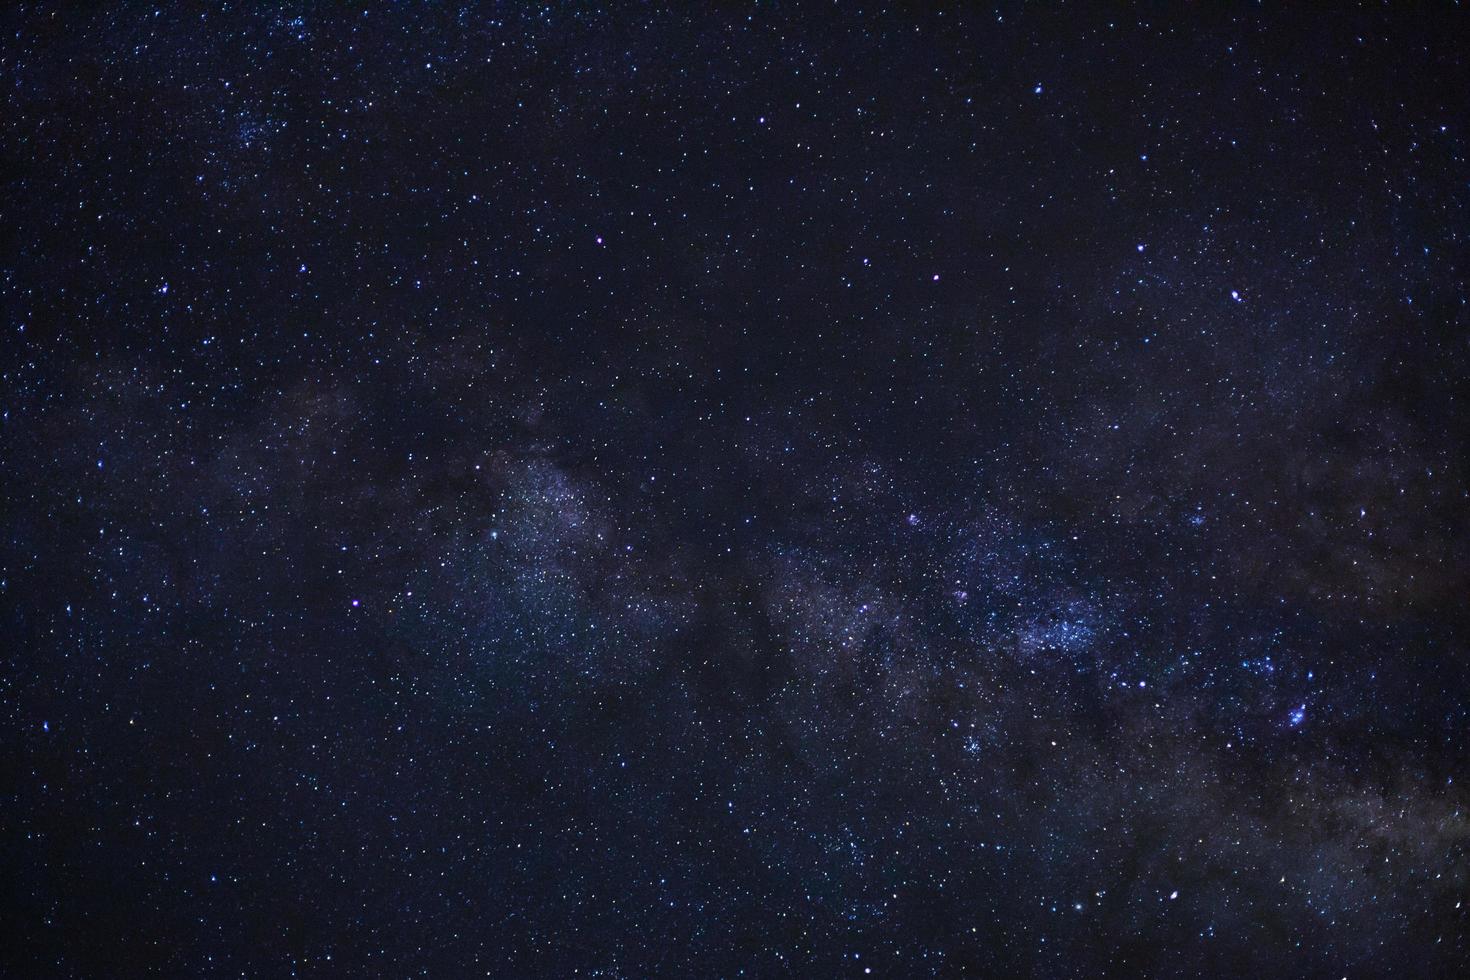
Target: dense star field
x: 754, y: 490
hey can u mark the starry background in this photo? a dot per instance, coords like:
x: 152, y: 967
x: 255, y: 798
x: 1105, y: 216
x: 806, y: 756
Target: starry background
x: 759, y: 491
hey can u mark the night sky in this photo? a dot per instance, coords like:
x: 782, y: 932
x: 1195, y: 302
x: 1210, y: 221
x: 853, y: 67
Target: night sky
x: 758, y: 490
